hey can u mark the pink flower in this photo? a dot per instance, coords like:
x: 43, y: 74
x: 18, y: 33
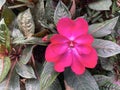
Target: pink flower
x: 72, y: 47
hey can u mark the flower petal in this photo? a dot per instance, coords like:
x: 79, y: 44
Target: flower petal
x: 54, y: 50
x: 59, y: 68
x: 89, y: 60
x: 65, y: 60
x: 72, y: 29
x: 65, y: 27
x: 84, y: 39
x: 83, y: 49
x: 81, y: 26
x: 57, y: 38
x: 76, y: 66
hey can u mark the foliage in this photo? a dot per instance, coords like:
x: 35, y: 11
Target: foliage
x: 25, y: 30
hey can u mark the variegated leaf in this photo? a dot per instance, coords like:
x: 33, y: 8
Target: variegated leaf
x: 4, y: 35
x: 4, y: 67
x: 26, y: 23
x: 61, y: 11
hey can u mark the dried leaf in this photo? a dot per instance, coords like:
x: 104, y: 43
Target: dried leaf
x: 73, y: 8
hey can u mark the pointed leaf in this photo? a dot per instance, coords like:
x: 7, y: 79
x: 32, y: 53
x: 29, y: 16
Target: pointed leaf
x: 106, y: 48
x: 100, y: 5
x: 4, y: 67
x: 39, y: 11
x: 25, y: 70
x: 16, y: 33
x: 55, y: 85
x: 8, y: 15
x: 102, y: 79
x: 17, y: 36
x: 11, y: 83
x: 107, y: 64
x: 107, y: 83
x: 26, y: 54
x: 4, y: 35
x: 61, y: 11
x: 31, y: 40
x: 104, y: 28
x: 81, y: 82
x: 47, y: 76
x: 49, y: 10
x: 26, y: 23
x: 32, y: 84
x: 2, y: 2
x: 73, y: 8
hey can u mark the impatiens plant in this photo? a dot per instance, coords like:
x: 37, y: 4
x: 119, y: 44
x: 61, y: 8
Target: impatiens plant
x: 59, y: 45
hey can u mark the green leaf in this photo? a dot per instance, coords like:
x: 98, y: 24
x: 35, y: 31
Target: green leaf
x: 61, y: 11
x: 107, y: 64
x: 26, y: 54
x: 31, y: 40
x: 100, y: 5
x: 104, y: 28
x: 106, y: 48
x: 2, y: 2
x: 107, y: 83
x: 80, y: 82
x: 32, y: 84
x: 17, y: 35
x: 11, y: 83
x: 102, y: 79
x: 25, y: 71
x: 39, y: 11
x: 4, y: 35
x: 49, y: 9
x: 55, y: 85
x: 8, y: 15
x: 26, y: 23
x: 47, y: 76
x: 4, y: 68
